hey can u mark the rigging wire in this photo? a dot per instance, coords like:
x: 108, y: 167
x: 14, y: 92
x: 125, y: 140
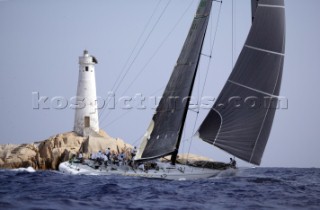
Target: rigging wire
x: 134, y: 49
x: 160, y: 46
x: 118, y: 118
x: 144, y: 43
x: 136, y: 45
x: 155, y: 53
x: 157, y: 50
x: 183, y: 137
x: 140, y: 49
x: 232, y: 2
x: 233, y: 30
x: 207, y: 71
x: 136, y: 141
x: 124, y: 114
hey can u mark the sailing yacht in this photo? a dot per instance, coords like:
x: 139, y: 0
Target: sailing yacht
x: 239, y: 122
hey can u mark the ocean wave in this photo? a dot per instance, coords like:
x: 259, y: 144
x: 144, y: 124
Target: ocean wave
x: 258, y: 188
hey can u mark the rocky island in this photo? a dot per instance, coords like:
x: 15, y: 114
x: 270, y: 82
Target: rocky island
x: 48, y: 154
x: 86, y: 138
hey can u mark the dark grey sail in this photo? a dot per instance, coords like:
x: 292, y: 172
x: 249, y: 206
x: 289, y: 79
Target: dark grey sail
x: 164, y: 133
x: 241, y: 119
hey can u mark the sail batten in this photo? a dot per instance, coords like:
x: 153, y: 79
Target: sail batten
x: 270, y: 2
x: 241, y: 119
x: 264, y: 50
x: 254, y: 89
x: 270, y: 5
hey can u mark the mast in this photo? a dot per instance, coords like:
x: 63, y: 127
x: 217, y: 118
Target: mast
x: 165, y: 130
x: 254, y: 5
x: 175, y: 153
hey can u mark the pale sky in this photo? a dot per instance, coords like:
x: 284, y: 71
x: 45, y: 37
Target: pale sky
x: 40, y: 42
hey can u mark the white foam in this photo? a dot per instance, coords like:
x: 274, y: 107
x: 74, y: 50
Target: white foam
x: 29, y: 169
x: 227, y: 173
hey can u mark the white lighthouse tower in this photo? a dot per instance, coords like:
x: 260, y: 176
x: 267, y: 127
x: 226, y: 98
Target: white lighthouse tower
x: 86, y: 117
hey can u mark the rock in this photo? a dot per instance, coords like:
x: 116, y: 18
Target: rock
x: 48, y: 154
x: 15, y: 156
x: 96, y: 144
x: 5, y: 150
x: 57, y: 149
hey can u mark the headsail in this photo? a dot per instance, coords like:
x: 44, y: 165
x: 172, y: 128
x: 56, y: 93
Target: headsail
x: 241, y: 119
x: 164, y: 133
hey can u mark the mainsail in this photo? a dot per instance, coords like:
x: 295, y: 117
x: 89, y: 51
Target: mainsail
x: 164, y: 133
x: 241, y: 119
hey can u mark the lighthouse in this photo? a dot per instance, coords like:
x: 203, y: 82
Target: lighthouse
x: 86, y: 119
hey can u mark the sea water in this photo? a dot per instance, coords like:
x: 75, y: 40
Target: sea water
x: 250, y: 188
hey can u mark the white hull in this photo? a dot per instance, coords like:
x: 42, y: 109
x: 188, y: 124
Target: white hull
x: 165, y: 171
